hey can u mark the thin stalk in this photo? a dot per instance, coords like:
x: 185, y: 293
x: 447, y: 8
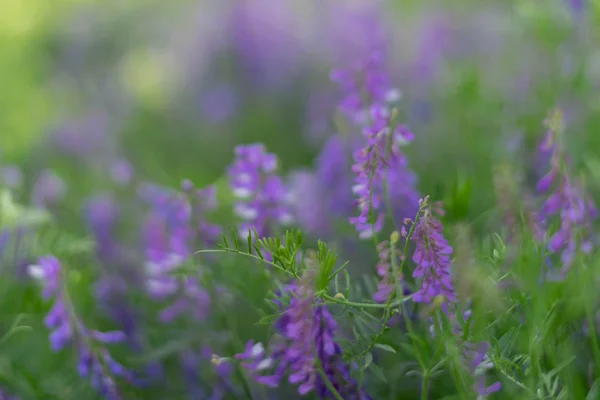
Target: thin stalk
x: 228, y: 250
x: 425, y: 387
x: 327, y: 382
x: 367, y: 305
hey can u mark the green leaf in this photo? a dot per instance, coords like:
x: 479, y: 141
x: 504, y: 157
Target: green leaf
x: 368, y: 361
x: 594, y: 393
x: 385, y: 347
x: 268, y: 320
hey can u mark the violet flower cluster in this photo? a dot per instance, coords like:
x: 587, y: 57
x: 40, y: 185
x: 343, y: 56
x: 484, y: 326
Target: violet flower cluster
x: 11, y: 176
x: 379, y: 165
x: 307, y: 331
x: 387, y: 250
x: 48, y: 189
x: 567, y: 200
x: 431, y: 256
x: 176, y: 222
x: 263, y: 199
x: 478, y: 363
x: 95, y: 361
x: 320, y: 196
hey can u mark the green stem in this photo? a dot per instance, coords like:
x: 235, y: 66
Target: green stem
x: 228, y: 250
x: 327, y: 382
x: 593, y: 336
x: 425, y: 387
x: 366, y: 305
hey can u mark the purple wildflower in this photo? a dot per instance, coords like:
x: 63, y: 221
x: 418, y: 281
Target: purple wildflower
x: 193, y: 299
x: 121, y: 172
x: 364, y: 84
x: 176, y: 223
x: 319, y: 196
x: 221, y: 370
x: 567, y: 199
x: 11, y: 176
x: 219, y: 103
x: 48, y: 189
x: 83, y: 136
x: 95, y: 362
x: 384, y: 269
x: 432, y: 257
x: 262, y: 196
x: 307, y: 330
x: 478, y: 364
x: 101, y: 214
x: 307, y: 196
x: 333, y: 170
x: 576, y: 5
x: 268, y: 59
x: 379, y: 165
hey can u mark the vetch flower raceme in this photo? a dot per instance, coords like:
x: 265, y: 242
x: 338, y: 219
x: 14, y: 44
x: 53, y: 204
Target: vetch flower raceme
x: 263, y: 201
x: 172, y: 227
x: 364, y: 84
x: 387, y: 250
x: 431, y: 256
x: 95, y: 362
x: 307, y: 331
x: 567, y: 200
x: 379, y: 165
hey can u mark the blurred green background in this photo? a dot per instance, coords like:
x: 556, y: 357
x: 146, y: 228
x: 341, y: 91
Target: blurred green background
x: 172, y: 88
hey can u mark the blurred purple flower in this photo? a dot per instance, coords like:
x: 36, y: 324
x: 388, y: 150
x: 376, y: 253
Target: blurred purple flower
x: 309, y: 209
x: 434, y: 41
x: 567, y: 199
x: 478, y: 363
x: 11, y: 176
x: 353, y: 29
x: 192, y: 300
x: 365, y: 86
x: 219, y: 103
x: 576, y: 5
x: 263, y: 199
x: 48, y: 189
x: 83, y: 136
x: 175, y: 223
x: 321, y: 196
x: 384, y: 270
x: 101, y: 214
x: 334, y: 171
x: 380, y: 165
x: 121, y: 172
x: 269, y: 39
